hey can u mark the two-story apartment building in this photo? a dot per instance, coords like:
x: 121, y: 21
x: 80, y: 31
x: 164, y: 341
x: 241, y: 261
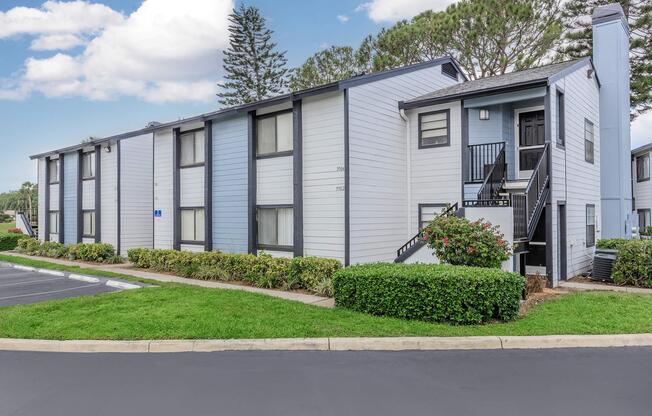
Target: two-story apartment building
x: 642, y: 186
x: 353, y: 169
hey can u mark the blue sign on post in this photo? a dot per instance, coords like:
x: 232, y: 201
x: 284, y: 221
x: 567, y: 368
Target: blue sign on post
x: 158, y: 213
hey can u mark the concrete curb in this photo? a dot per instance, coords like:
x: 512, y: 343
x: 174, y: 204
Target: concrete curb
x: 332, y: 344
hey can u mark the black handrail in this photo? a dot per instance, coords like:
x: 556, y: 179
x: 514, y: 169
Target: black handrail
x: 496, y: 177
x: 527, y: 204
x: 481, y: 158
x: 452, y: 209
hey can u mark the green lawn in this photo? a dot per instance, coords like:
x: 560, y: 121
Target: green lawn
x: 176, y: 311
x: 4, y: 226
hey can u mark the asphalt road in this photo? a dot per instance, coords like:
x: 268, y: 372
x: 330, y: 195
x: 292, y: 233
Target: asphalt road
x: 546, y: 382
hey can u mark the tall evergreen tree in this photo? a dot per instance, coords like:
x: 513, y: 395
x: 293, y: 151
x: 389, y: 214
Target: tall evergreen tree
x: 255, y: 70
x: 578, y: 42
x: 332, y: 64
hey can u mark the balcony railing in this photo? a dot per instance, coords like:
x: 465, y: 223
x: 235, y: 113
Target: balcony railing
x: 495, y: 178
x: 481, y: 159
x: 529, y: 204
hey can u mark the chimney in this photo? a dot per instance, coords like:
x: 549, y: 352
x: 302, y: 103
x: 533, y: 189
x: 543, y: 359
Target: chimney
x: 611, y: 60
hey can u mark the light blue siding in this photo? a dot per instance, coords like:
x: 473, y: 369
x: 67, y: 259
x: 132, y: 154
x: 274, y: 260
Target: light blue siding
x: 70, y: 198
x: 230, y: 225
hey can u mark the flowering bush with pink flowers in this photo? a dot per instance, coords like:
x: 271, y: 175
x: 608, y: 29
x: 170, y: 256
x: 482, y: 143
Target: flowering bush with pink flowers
x: 462, y: 242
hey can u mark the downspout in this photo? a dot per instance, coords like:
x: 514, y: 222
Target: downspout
x: 408, y: 165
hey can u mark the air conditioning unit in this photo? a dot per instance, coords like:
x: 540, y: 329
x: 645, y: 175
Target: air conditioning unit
x: 603, y: 264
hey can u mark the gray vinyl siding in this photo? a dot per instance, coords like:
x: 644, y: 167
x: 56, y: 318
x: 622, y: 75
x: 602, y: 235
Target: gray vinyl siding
x: 230, y: 221
x: 109, y: 196
x: 323, y: 176
x: 136, y: 178
x: 70, y: 198
x: 196, y: 248
x: 42, y: 209
x: 163, y: 192
x: 88, y: 192
x: 54, y: 197
x: 192, y: 187
x: 274, y: 181
x: 573, y: 179
x: 642, y: 190
x: 377, y: 162
x: 436, y: 173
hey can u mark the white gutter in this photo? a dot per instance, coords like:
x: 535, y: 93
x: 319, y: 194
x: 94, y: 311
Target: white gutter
x: 408, y: 167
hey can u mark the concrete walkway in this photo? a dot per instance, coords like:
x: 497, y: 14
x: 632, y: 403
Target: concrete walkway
x: 584, y: 287
x: 127, y: 269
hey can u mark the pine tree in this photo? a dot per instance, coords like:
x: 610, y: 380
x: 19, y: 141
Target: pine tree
x: 578, y: 42
x: 332, y: 64
x: 254, y: 69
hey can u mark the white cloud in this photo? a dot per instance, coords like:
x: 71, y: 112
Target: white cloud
x: 342, y: 18
x: 392, y: 10
x: 166, y: 50
x: 56, y: 42
x: 641, y: 130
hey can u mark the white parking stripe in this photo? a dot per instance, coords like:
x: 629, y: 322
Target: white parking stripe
x: 29, y: 282
x: 49, y: 292
x: 83, y: 278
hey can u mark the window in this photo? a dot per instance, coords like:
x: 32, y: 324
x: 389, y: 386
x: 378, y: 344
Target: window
x: 643, y: 168
x: 644, y: 219
x: 449, y: 70
x: 274, y: 134
x: 428, y: 212
x: 88, y: 228
x: 561, y: 119
x: 590, y: 225
x: 484, y: 114
x: 88, y: 165
x: 53, y: 167
x: 54, y: 222
x: 192, y: 148
x: 192, y: 225
x: 434, y: 129
x: 276, y: 227
x: 588, y: 141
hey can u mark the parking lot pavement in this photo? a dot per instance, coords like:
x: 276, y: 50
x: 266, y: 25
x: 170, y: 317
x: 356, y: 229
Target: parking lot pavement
x: 26, y: 286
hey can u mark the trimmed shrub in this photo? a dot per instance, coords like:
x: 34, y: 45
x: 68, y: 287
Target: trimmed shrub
x: 11, y: 240
x: 94, y: 252
x: 612, y: 243
x: 461, y: 242
x: 440, y: 293
x: 634, y: 264
x: 309, y: 273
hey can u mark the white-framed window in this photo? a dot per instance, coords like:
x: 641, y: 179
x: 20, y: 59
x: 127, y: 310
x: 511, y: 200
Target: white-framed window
x: 53, y: 168
x: 276, y: 227
x: 88, y: 223
x: 192, y: 148
x: 88, y: 165
x: 434, y: 129
x: 589, y: 141
x: 54, y: 222
x: 590, y: 225
x: 643, y: 168
x: 428, y: 212
x: 192, y: 225
x: 274, y: 134
x: 644, y: 219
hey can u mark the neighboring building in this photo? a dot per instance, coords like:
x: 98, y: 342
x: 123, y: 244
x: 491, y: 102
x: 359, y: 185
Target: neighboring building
x: 353, y: 169
x: 642, y: 186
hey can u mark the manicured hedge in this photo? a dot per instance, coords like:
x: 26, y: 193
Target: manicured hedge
x: 93, y: 252
x: 634, y: 264
x: 309, y: 273
x: 612, y: 243
x: 442, y: 293
x: 9, y: 241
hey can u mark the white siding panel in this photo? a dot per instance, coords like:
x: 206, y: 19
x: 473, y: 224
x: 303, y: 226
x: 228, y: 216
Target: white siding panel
x: 88, y: 194
x: 192, y: 187
x: 642, y: 190
x: 109, y: 196
x: 136, y: 177
x: 87, y: 240
x: 377, y: 162
x: 573, y: 179
x: 42, y: 209
x: 196, y: 248
x: 230, y: 195
x: 70, y: 168
x: 436, y: 174
x: 274, y: 181
x: 323, y: 176
x: 54, y: 197
x: 163, y: 192
x: 283, y: 254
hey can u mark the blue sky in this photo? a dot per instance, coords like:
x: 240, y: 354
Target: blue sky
x: 132, y: 74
